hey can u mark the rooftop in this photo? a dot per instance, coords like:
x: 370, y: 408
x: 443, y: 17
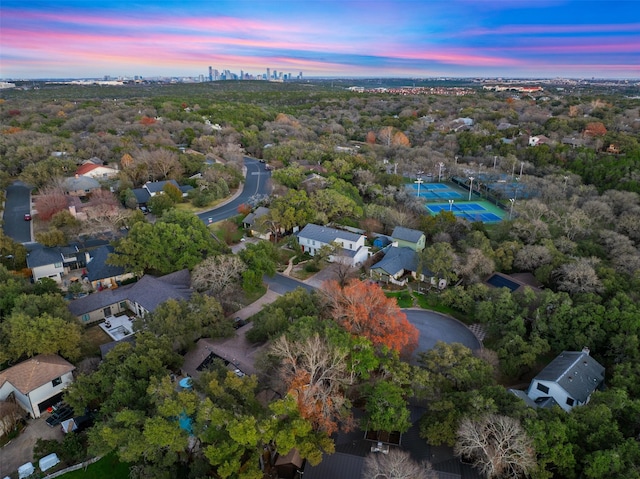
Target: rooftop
x: 35, y: 372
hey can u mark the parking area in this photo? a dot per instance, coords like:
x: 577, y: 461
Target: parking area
x: 20, y: 449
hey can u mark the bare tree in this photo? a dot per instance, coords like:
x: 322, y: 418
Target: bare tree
x: 396, y: 464
x: 316, y: 374
x: 217, y: 273
x: 497, y: 445
x: 580, y: 276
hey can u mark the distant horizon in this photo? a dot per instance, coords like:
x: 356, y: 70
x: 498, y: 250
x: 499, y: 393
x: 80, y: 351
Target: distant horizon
x: 322, y: 39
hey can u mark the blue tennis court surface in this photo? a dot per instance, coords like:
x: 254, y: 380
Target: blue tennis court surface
x: 434, y: 191
x: 469, y: 211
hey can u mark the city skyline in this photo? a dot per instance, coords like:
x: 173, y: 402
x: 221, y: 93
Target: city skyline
x: 403, y: 38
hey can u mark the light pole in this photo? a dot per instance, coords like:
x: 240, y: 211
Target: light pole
x: 471, y: 178
x: 419, y: 181
x: 456, y: 157
x: 521, y: 165
x: 451, y: 205
x: 495, y: 158
x: 440, y: 165
x: 564, y: 188
x: 512, y: 201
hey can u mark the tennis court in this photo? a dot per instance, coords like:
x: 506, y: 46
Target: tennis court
x: 471, y: 211
x: 435, y: 191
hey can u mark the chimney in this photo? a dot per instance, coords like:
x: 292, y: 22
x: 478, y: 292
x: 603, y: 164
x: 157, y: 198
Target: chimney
x: 585, y: 350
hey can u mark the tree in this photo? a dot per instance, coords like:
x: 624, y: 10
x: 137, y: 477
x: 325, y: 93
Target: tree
x: 49, y: 202
x: 217, y: 273
x: 396, y: 464
x: 178, y: 240
x: 173, y: 192
x: 497, y: 445
x: 44, y: 334
x: 363, y: 309
x: 387, y: 409
x: 580, y: 276
x: 315, y: 373
x: 440, y: 258
x: 52, y: 237
x: 260, y: 259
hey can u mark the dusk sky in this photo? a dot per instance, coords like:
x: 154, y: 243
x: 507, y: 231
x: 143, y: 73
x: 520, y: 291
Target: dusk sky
x: 383, y: 38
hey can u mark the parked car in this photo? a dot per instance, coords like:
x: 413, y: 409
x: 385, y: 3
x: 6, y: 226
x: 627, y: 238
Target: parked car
x: 27, y: 217
x: 144, y: 210
x: 239, y: 322
x: 61, y: 414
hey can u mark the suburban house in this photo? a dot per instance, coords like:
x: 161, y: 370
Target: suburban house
x: 80, y: 185
x: 153, y: 188
x: 140, y: 298
x: 406, y: 237
x: 54, y: 262
x: 539, y: 140
x: 37, y: 383
x: 351, y: 449
x: 568, y: 380
x: 102, y: 275
x: 352, y: 249
x: 96, y: 171
x: 251, y: 223
x: 397, y: 264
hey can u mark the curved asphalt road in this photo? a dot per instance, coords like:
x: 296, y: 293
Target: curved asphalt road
x: 433, y: 326
x: 256, y: 184
x: 17, y: 204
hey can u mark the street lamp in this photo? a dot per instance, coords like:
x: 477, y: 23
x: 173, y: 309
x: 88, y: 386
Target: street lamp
x: 512, y: 201
x: 495, y: 158
x: 521, y: 165
x: 419, y: 181
x: 456, y: 157
x: 564, y: 188
x: 471, y: 178
x: 451, y: 205
x: 440, y: 165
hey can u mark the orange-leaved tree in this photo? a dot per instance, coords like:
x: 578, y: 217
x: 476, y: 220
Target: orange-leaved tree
x: 363, y: 309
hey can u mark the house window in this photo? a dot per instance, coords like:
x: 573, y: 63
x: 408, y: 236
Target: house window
x: 56, y: 382
x: 85, y: 317
x: 313, y: 242
x: 107, y: 311
x: 350, y: 245
x: 570, y: 401
x: 57, y: 265
x: 543, y: 388
x: 123, y: 305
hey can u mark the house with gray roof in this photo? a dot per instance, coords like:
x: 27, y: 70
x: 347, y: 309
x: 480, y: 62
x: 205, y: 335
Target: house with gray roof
x: 54, y: 262
x: 102, y: 275
x: 80, y: 185
x: 352, y: 249
x: 410, y: 238
x: 250, y: 223
x: 141, y: 298
x: 153, y: 188
x: 569, y: 380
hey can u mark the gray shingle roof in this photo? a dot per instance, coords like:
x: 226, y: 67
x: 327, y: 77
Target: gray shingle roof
x: 43, y: 256
x: 97, y: 269
x: 156, y: 186
x: 81, y: 183
x: 326, y: 234
x: 406, y: 234
x: 142, y: 195
x: 149, y: 292
x: 398, y: 259
x: 576, y: 372
x: 251, y: 218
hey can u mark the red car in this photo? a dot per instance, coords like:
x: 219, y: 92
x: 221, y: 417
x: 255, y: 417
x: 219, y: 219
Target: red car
x: 27, y: 217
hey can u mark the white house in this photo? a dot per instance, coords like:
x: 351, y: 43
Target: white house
x: 569, y: 379
x: 36, y: 383
x: 98, y: 172
x: 352, y: 245
x: 54, y: 262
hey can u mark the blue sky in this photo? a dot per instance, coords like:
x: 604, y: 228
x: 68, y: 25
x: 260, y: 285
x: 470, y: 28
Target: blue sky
x: 384, y: 38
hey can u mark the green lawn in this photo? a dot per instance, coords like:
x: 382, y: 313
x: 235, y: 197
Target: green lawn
x: 404, y: 299
x: 93, y: 337
x: 106, y: 468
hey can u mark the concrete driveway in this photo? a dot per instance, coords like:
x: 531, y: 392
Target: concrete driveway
x: 20, y: 449
x: 436, y: 327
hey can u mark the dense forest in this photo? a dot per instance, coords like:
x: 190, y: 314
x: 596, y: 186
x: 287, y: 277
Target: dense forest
x: 344, y: 158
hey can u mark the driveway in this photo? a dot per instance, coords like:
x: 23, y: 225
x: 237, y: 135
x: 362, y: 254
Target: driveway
x: 20, y: 450
x: 436, y: 327
x: 17, y: 204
